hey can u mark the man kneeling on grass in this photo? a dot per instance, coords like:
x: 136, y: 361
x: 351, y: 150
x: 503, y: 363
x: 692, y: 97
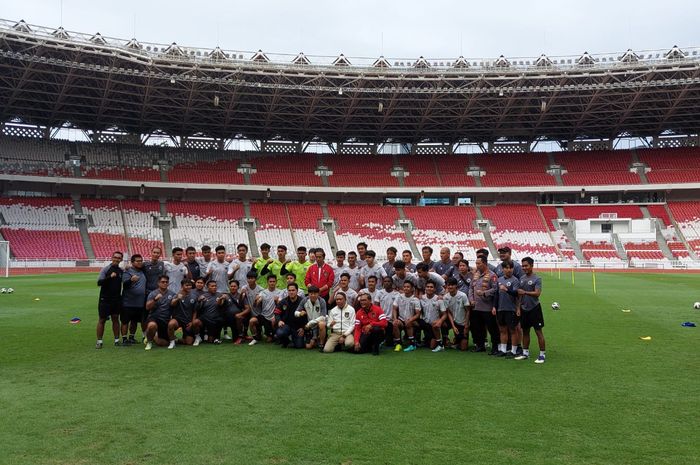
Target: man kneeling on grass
x: 185, y: 315
x: 159, y: 307
x: 341, y: 321
x: 370, y: 324
x: 212, y: 312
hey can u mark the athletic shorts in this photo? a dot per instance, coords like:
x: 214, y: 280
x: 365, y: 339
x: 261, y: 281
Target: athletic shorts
x: 532, y: 318
x: 162, y: 327
x: 509, y: 319
x: 183, y: 324
x: 131, y: 314
x: 459, y: 337
x: 106, y: 308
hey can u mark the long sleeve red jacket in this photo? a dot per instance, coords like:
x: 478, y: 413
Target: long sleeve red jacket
x: 374, y: 316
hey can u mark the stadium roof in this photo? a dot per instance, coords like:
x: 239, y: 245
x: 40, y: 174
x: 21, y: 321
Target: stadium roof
x: 50, y: 77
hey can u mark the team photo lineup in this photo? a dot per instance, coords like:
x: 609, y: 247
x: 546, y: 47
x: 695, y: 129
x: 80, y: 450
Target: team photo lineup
x: 352, y: 303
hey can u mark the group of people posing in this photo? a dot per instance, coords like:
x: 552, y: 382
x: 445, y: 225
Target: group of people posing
x: 356, y: 305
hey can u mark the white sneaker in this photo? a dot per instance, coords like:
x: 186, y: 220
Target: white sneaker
x: 149, y: 345
x: 540, y: 359
x: 253, y: 342
x: 171, y: 345
x: 197, y: 341
x: 438, y: 349
x: 227, y: 336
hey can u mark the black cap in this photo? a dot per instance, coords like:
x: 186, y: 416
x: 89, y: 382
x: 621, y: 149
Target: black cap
x: 504, y: 249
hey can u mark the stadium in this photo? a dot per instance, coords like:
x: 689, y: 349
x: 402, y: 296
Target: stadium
x: 588, y: 163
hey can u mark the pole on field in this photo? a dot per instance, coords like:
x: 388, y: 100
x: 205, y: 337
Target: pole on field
x: 595, y: 291
x: 573, y: 281
x: 559, y: 272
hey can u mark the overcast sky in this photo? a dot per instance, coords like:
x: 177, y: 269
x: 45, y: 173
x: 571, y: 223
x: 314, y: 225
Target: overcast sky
x: 433, y: 28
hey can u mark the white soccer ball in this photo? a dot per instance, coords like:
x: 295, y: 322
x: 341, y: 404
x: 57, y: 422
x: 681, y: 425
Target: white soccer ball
x: 3, y: 290
x: 555, y: 305
x: 10, y: 290
x: 696, y: 305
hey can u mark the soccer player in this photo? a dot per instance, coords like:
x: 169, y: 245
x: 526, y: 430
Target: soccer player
x: 109, y: 306
x: 445, y: 267
x: 233, y: 312
x: 401, y: 275
x: 427, y: 253
x: 385, y: 299
x: 344, y: 287
x: 176, y: 270
x: 262, y: 264
x: 159, y: 307
x: 204, y: 260
x: 316, y: 312
x: 456, y: 304
x: 211, y: 312
x: 153, y: 269
x: 320, y: 274
x: 361, y: 254
x: 133, y: 299
x: 240, y: 266
x: 191, y: 263
x: 463, y: 275
x: 353, y: 269
x: 217, y: 270
x: 371, y: 288
x: 249, y: 295
x: 507, y: 311
x: 341, y: 322
x: 388, y: 266
x: 432, y: 318
x: 291, y: 319
x: 406, y: 314
x: 531, y: 310
x: 407, y: 258
x: 504, y: 254
x: 370, y: 324
x: 266, y: 301
x: 339, y: 267
x: 184, y: 314
x: 299, y: 267
x: 424, y: 275
x: 481, y: 293
x: 371, y: 268
x: 278, y: 266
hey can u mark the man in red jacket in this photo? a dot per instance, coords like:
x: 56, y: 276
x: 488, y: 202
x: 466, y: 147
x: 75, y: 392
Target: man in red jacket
x: 370, y: 323
x: 320, y: 274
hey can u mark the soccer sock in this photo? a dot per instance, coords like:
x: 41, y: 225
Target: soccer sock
x: 502, y: 347
x: 514, y: 349
x: 411, y: 340
x: 526, y: 352
x: 542, y: 353
x: 439, y: 341
x: 116, y: 339
x: 124, y: 338
x: 397, y: 341
x: 99, y: 341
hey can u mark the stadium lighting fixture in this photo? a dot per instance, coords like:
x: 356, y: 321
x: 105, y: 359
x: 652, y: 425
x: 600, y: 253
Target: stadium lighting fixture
x: 543, y: 105
x: 340, y: 91
x: 500, y: 93
x: 380, y: 107
x: 216, y: 100
x: 172, y: 80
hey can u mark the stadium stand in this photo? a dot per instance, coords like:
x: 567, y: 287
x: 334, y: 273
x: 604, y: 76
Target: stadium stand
x: 289, y: 169
x: 207, y: 223
x: 515, y: 169
x: 453, y: 227
x: 360, y: 170
x: 687, y: 216
x: 521, y: 228
x: 672, y: 165
x: 584, y: 169
x: 374, y: 224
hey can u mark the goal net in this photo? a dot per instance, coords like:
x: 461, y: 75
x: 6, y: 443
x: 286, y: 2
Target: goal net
x: 4, y: 259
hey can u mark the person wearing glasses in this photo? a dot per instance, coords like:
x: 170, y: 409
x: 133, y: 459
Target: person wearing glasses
x: 109, y: 306
x: 133, y: 299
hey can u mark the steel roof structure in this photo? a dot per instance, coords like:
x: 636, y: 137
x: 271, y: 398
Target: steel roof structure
x: 51, y: 77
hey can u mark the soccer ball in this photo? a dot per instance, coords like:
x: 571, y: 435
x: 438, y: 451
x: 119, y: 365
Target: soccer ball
x: 3, y: 290
x: 10, y: 290
x: 555, y: 305
x: 696, y: 305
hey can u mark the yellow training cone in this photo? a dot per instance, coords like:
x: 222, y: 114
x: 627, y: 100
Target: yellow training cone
x: 645, y: 338
x: 37, y: 298
x: 626, y: 310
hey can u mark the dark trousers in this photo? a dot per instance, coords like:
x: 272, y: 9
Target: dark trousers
x: 481, y: 323
x: 369, y: 342
x: 285, y: 333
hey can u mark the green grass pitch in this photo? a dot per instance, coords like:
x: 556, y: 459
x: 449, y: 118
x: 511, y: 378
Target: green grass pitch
x: 603, y: 397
